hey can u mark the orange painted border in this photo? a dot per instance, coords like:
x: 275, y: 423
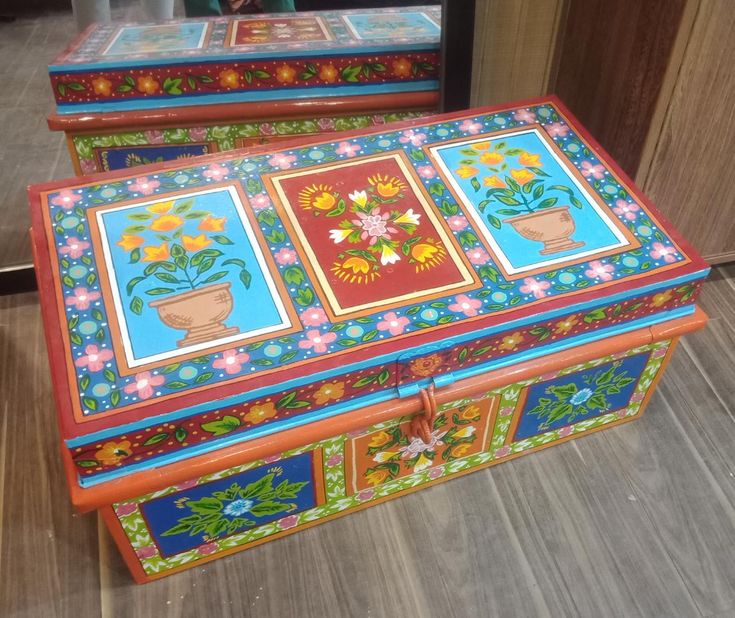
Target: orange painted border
x: 141, y: 577
x: 144, y: 482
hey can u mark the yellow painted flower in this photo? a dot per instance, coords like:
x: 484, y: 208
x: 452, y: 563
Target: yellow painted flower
x: 422, y: 463
x: 329, y: 391
x: 460, y: 450
x: 317, y: 196
x: 427, y: 254
x: 565, y: 325
x: 147, y: 85
x: 213, y: 224
x: 156, y: 254
x: 384, y: 456
x: 161, y: 208
x: 379, y: 439
x: 376, y: 477
x: 511, y: 342
x: 491, y: 158
x: 386, y: 186
x: 402, y: 67
x: 530, y: 160
x: 494, y: 181
x: 470, y: 413
x: 285, y: 74
x: 112, y: 453
x: 130, y: 242
x: 388, y: 255
x: 465, y: 432
x: 102, y: 86
x: 260, y: 413
x: 425, y: 366
x: 523, y: 176
x: 661, y: 299
x: 195, y: 243
x: 229, y: 79
x: 481, y: 146
x: 166, y: 223
x: 328, y: 73
x: 359, y: 197
x: 466, y: 171
x: 354, y: 269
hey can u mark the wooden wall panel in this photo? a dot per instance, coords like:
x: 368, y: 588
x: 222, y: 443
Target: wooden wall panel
x: 514, y: 47
x: 691, y: 165
x: 612, y: 62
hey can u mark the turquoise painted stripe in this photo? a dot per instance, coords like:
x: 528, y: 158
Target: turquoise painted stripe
x: 429, y: 48
x: 332, y: 411
x: 275, y: 94
x: 374, y: 362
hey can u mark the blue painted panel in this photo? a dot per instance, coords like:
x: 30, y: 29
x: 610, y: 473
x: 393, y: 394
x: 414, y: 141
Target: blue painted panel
x: 128, y: 156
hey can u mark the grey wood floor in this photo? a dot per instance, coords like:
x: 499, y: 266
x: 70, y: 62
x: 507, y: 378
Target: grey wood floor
x: 634, y: 521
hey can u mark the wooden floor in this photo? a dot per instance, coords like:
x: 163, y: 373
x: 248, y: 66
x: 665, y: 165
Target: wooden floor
x: 633, y: 521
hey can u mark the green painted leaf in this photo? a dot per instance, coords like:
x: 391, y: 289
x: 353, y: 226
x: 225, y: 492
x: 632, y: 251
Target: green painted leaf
x: 155, y: 439
x: 89, y: 402
x: 136, y: 305
x: 87, y: 463
x: 159, y: 291
x: 181, y: 434
x: 222, y: 426
x: 222, y: 240
x: 215, y: 277
x: 115, y: 398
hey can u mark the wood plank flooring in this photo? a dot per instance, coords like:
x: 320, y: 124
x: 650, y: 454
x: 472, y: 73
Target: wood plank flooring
x: 633, y: 521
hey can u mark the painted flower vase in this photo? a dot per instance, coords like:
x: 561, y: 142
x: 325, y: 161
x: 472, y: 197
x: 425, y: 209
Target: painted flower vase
x: 553, y: 227
x: 201, y: 313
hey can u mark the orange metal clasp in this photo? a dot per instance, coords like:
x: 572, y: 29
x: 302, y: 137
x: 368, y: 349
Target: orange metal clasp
x: 422, y: 423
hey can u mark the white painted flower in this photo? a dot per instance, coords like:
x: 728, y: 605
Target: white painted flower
x: 359, y: 197
x: 339, y: 235
x: 388, y: 256
x: 409, y: 217
x: 385, y: 456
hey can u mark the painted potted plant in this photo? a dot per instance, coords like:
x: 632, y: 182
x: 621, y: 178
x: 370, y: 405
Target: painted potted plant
x: 172, y: 253
x: 517, y: 189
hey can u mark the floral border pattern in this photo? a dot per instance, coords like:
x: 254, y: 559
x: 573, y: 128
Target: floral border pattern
x: 103, y: 390
x: 225, y: 136
x: 338, y: 499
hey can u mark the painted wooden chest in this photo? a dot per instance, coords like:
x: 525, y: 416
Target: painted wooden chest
x: 133, y: 94
x: 244, y: 345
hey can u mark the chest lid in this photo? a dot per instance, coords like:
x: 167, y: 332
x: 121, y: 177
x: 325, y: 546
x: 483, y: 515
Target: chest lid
x: 313, y: 279
x: 269, y: 57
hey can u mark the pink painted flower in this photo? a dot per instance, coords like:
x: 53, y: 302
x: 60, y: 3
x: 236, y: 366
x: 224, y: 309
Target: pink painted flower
x: 426, y: 171
x: 313, y: 316
x: 81, y: 299
x: 465, y: 304
x: 348, y: 149
x: 317, y: 341
x: 502, y: 451
x: 66, y: 199
x: 281, y: 161
x: 409, y: 136
x: 215, y: 171
x: 288, y: 522
x: 186, y: 485
x: 659, y: 353
x: 154, y: 136
x: 523, y: 115
x: 260, y: 201
x: 74, y: 247
x: 506, y: 411
x: 478, y: 256
x: 377, y: 119
x: 366, y: 494
x: 126, y: 509
x: 596, y: 171
x: 207, y: 549
x: 623, y: 413
x: 535, y: 287
x: 435, y: 473
x: 545, y: 377
x: 565, y: 431
x: 598, y: 270
x: 374, y: 225
x: 625, y: 209
x: 458, y: 223
x: 144, y: 185
x: 285, y: 256
x: 468, y: 126
x: 393, y: 324
x: 272, y: 458
x: 143, y: 384
x: 334, y: 460
x: 326, y: 124
x: 231, y: 361
x: 267, y: 129
x: 94, y: 358
x: 197, y: 134
x: 557, y: 129
x: 637, y: 397
x: 89, y: 166
x: 146, y: 552
x: 663, y: 252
